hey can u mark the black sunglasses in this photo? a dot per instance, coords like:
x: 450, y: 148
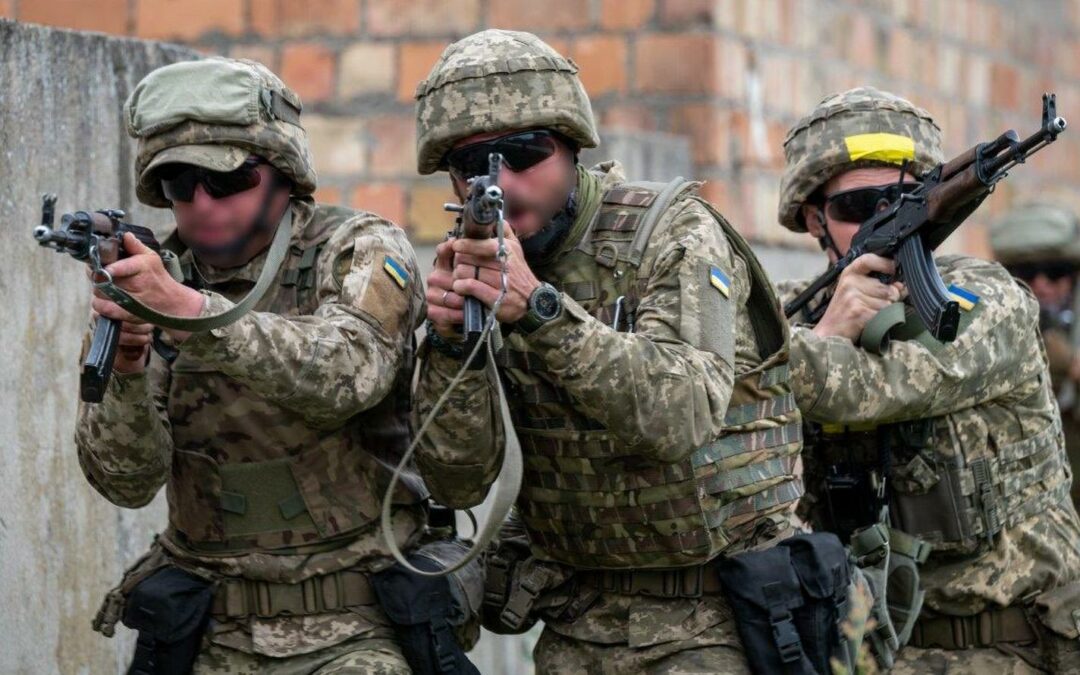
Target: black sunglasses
x: 859, y: 204
x: 1052, y: 270
x: 519, y: 151
x: 178, y: 181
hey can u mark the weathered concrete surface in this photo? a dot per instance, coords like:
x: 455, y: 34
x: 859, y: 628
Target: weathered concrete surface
x: 61, y: 544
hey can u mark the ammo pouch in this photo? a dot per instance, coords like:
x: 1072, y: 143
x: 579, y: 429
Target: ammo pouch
x: 170, y: 609
x: 426, y: 611
x: 789, y: 601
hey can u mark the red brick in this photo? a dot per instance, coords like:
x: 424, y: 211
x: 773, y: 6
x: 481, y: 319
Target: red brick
x: 308, y: 69
x: 384, y: 199
x: 690, y: 12
x: 264, y: 54
x: 1004, y: 80
x: 427, y: 220
x: 901, y: 54
x: 676, y: 63
x: 540, y: 16
x: 417, y: 18
x: 107, y: 16
x: 862, y: 41
x: 415, y: 60
x: 626, y: 14
x: 393, y: 145
x: 709, y: 130
x: 265, y: 15
x: 602, y: 59
x: 7, y: 9
x: 628, y: 116
x: 187, y: 19
x: 328, y: 195
x: 314, y: 17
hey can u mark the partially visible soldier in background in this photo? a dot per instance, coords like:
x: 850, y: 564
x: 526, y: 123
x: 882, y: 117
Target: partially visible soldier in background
x: 1039, y: 243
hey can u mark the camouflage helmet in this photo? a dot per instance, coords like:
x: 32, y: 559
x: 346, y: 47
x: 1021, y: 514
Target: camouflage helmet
x: 498, y: 80
x: 859, y: 127
x: 1036, y: 232
x: 214, y: 113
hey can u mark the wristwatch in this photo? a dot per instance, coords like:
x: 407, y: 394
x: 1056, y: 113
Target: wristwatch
x: 545, y: 304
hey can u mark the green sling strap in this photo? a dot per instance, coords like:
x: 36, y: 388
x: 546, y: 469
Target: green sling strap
x: 274, y: 257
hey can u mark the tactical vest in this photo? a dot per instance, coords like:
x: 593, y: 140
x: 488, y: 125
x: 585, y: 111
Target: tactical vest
x: 250, y: 474
x: 920, y: 473
x: 590, y: 502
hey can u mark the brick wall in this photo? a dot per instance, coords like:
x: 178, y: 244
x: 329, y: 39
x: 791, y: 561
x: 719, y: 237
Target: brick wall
x: 731, y: 75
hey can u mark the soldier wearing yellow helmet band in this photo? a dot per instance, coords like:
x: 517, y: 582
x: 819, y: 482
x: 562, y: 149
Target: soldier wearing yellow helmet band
x: 1039, y: 243
x: 270, y: 432
x: 941, y: 462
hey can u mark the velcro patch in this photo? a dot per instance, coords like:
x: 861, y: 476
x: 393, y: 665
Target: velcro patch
x: 720, y: 281
x: 963, y: 297
x: 396, y: 271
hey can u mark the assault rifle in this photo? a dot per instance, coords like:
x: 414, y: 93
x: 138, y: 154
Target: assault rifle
x: 477, y: 219
x: 910, y: 228
x: 98, y: 240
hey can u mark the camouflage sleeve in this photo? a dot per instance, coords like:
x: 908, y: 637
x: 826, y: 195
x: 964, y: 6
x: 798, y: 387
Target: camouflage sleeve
x: 836, y: 381
x: 460, y: 453
x: 345, y: 357
x: 124, y: 442
x: 664, y: 389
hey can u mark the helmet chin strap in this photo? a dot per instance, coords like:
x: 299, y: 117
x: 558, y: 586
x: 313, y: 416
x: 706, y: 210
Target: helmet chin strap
x: 260, y: 224
x: 825, y: 241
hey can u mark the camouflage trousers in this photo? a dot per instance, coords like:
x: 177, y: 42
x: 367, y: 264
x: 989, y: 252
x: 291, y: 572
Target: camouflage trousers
x: 916, y: 661
x: 716, y: 650
x: 359, y: 656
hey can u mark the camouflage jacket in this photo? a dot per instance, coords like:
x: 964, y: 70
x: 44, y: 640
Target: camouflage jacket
x: 988, y: 389
x: 279, y: 380
x: 1061, y: 355
x: 661, y: 391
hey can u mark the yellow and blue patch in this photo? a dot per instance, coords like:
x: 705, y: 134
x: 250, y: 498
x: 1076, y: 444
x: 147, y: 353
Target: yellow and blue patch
x: 720, y: 281
x: 396, y: 271
x: 963, y: 297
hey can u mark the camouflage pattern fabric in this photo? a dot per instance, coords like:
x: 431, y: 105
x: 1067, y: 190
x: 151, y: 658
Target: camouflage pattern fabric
x: 307, y: 376
x: 358, y: 656
x: 253, y: 128
x: 840, y: 135
x: 658, y: 395
x: 1036, y: 232
x: 498, y: 80
x: 916, y: 661
x: 986, y: 390
x: 662, y: 637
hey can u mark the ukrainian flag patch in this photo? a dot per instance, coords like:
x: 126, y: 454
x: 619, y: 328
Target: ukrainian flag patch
x: 963, y: 297
x: 396, y: 271
x: 720, y: 281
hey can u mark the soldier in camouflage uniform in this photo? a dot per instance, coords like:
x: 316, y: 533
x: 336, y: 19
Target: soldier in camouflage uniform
x: 959, y: 443
x: 1039, y: 243
x: 272, y: 434
x: 645, y: 364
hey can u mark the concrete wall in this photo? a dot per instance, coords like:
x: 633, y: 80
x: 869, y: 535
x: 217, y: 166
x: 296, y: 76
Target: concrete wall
x: 61, y: 544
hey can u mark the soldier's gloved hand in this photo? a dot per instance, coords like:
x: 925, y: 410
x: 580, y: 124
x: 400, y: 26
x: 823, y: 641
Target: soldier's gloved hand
x: 444, y: 306
x: 143, y: 276
x: 859, y: 297
x: 477, y: 272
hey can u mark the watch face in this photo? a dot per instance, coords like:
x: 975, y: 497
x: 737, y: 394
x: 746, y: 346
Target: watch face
x: 546, y: 304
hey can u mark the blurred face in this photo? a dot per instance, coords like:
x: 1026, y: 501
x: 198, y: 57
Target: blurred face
x: 848, y: 203
x: 210, y: 223
x: 1054, y: 294
x: 533, y: 193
